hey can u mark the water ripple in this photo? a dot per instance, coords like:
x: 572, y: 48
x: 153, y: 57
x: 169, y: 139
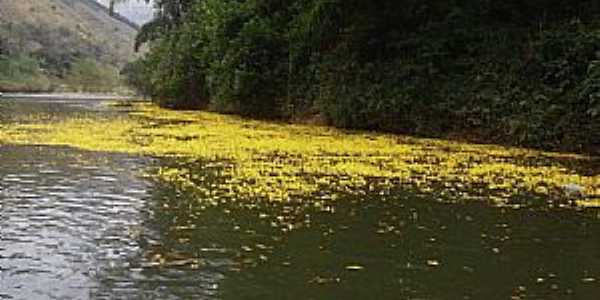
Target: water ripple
x: 68, y: 220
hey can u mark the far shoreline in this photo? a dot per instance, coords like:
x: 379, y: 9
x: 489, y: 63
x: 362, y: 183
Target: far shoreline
x: 66, y: 96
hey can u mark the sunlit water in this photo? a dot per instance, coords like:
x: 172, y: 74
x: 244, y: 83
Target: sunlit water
x: 92, y: 225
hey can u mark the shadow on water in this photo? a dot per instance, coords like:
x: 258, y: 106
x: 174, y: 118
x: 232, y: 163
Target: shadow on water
x: 399, y: 246
x: 411, y: 248
x: 89, y: 225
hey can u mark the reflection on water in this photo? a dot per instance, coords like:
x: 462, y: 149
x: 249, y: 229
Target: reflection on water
x: 89, y: 225
x: 77, y: 225
x: 408, y: 248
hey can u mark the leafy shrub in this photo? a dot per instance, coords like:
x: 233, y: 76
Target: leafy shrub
x: 511, y: 71
x: 22, y: 73
x: 87, y: 75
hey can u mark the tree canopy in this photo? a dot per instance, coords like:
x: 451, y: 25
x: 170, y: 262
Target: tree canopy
x: 518, y: 71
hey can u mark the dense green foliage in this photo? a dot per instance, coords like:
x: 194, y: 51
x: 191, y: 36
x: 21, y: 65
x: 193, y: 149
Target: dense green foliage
x: 523, y: 72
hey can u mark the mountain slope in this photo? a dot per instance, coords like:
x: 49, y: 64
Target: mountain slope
x: 52, y: 29
x: 60, y: 45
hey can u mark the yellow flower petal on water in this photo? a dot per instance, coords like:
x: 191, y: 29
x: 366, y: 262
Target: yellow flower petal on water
x: 279, y: 162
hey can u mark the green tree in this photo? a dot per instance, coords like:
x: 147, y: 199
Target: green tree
x: 501, y: 69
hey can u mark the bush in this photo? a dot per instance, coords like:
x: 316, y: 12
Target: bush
x: 514, y: 72
x: 87, y: 75
x: 134, y: 75
x: 249, y: 75
x: 22, y: 73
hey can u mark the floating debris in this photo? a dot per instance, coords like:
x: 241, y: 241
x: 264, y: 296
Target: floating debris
x: 433, y: 263
x: 324, y: 280
x: 354, y: 267
x: 573, y: 190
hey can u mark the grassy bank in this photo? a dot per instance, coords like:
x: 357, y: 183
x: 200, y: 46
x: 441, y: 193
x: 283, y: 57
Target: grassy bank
x: 265, y: 161
x: 22, y: 73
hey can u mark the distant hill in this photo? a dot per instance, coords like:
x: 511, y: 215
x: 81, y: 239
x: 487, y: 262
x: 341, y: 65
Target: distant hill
x: 45, y: 44
x: 55, y: 29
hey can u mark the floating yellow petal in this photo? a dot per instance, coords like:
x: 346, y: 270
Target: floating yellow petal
x: 278, y: 162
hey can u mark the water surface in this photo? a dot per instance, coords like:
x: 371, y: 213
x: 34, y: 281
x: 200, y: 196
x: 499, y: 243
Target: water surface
x: 92, y: 225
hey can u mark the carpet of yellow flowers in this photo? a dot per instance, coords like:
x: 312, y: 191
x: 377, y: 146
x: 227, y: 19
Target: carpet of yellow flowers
x: 282, y: 162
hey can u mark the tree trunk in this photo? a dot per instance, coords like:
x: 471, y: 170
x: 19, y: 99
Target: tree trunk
x: 111, y: 7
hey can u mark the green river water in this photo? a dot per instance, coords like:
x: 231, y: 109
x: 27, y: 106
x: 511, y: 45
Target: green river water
x: 90, y: 225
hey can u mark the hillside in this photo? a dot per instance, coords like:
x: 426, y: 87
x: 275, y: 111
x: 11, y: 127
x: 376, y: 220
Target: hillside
x: 57, y: 35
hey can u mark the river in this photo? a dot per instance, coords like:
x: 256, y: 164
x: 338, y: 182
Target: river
x: 78, y: 224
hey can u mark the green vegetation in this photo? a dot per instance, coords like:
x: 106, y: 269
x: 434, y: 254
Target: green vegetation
x: 88, y: 75
x: 519, y: 72
x: 53, y: 45
x: 22, y: 73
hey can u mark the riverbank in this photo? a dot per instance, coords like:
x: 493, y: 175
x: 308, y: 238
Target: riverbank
x: 519, y: 73
x: 27, y: 74
x: 66, y: 96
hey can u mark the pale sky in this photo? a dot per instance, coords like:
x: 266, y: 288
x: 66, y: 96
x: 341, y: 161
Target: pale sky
x: 135, y: 10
